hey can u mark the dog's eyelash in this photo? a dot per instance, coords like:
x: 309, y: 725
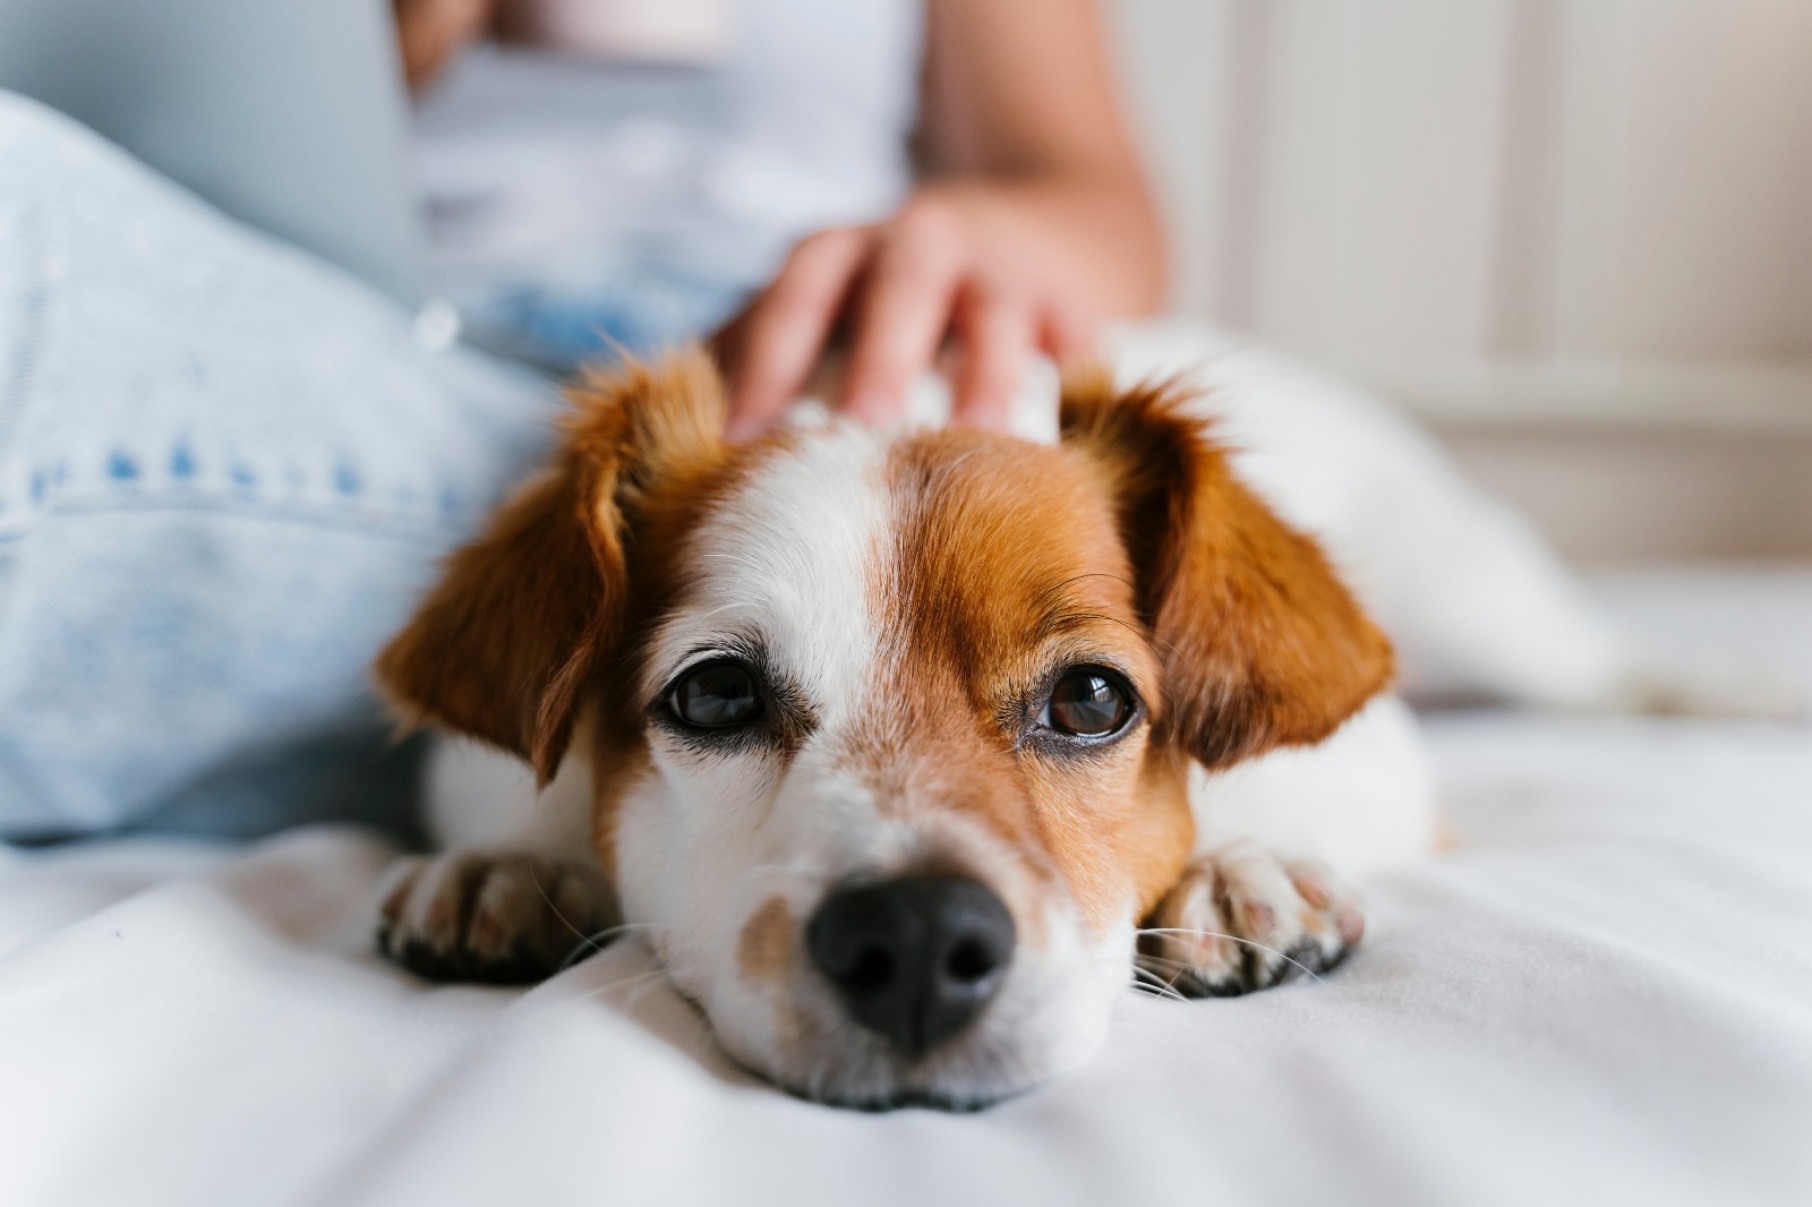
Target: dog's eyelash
x: 731, y: 649
x: 1022, y: 715
x: 787, y: 717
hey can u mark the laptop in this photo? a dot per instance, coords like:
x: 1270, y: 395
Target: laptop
x: 290, y: 116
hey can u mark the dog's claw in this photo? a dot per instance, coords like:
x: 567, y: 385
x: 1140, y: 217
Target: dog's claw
x: 500, y: 919
x: 1241, y: 919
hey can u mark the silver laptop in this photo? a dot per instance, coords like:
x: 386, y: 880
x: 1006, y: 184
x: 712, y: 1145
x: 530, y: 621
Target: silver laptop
x: 288, y: 114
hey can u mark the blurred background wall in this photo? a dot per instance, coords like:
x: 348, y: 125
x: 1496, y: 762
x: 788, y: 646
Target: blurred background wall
x: 1575, y: 236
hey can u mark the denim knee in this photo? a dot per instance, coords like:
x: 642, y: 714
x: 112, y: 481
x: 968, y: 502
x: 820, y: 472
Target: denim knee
x: 225, y: 470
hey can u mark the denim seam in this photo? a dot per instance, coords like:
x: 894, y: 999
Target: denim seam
x: 422, y: 526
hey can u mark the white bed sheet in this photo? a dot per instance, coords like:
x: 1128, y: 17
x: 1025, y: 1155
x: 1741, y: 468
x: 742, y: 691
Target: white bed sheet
x: 1605, y: 996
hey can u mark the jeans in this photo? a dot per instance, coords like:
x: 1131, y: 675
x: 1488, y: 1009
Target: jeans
x: 645, y: 308
x: 227, y: 471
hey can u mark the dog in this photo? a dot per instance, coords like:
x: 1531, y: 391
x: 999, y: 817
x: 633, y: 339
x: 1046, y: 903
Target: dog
x: 905, y: 752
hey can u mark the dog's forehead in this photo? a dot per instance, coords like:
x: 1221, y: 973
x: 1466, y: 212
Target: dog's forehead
x: 999, y: 541
x: 839, y: 544
x: 789, y: 556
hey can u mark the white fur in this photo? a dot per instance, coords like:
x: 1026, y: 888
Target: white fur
x: 784, y: 561
x: 792, y: 553
x: 1476, y: 602
x: 1473, y: 600
x: 483, y: 799
x: 705, y: 840
x: 1362, y: 801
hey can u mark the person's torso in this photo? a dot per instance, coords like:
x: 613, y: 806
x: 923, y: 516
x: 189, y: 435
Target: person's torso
x: 706, y: 157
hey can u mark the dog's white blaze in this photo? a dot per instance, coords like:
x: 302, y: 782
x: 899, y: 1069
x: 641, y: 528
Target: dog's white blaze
x: 792, y: 560
x: 788, y: 558
x: 791, y: 555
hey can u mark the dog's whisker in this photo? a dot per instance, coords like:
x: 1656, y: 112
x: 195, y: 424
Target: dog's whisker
x: 1147, y: 958
x: 1076, y: 578
x: 601, y: 990
x: 641, y: 991
x: 535, y: 879
x: 622, y: 927
x: 598, y: 940
x: 1216, y: 934
x: 637, y: 990
x: 620, y: 983
x: 1156, y: 985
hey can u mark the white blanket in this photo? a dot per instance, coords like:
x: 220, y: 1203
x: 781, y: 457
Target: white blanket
x: 1604, y: 996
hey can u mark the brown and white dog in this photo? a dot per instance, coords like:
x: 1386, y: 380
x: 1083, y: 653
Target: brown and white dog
x: 899, y: 749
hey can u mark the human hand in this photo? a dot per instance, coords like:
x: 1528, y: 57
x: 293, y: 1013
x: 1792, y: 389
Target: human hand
x: 898, y: 291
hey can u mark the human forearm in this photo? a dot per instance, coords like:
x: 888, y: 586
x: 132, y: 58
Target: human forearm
x: 1021, y: 112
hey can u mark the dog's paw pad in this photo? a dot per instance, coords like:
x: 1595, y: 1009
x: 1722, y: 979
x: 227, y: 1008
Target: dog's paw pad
x: 1242, y: 919
x: 505, y: 919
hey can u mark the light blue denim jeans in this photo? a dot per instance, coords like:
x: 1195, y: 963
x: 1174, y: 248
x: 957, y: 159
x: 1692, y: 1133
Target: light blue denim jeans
x: 647, y: 307
x: 226, y: 474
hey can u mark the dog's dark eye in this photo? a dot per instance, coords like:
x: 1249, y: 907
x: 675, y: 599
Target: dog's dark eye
x: 1088, y: 703
x: 719, y: 696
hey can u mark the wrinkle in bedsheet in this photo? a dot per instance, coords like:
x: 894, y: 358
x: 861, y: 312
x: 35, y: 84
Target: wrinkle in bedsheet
x: 1605, y: 996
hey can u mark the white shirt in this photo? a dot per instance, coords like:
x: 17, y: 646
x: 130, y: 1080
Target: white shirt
x: 568, y: 170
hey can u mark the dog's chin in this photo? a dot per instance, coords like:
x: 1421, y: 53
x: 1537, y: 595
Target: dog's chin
x: 868, y: 1082
x: 909, y: 1100
x: 1011, y: 1053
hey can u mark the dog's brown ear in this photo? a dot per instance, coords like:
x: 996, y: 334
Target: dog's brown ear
x: 1262, y: 646
x: 505, y: 643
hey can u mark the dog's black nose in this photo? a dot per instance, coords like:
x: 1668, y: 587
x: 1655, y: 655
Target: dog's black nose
x: 915, y: 959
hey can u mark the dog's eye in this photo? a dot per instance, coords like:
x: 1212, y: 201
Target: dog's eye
x: 1089, y: 703
x: 718, y: 696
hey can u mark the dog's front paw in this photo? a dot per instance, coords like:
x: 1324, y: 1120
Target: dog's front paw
x: 505, y: 919
x: 1242, y: 919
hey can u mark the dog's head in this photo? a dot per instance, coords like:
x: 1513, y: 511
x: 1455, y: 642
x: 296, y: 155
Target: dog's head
x: 890, y: 734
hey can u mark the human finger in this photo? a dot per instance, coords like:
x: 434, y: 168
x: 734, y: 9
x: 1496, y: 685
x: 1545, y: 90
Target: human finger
x: 903, y: 312
x: 995, y: 331
x: 781, y: 336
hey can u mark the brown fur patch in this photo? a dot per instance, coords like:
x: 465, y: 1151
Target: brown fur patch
x: 1005, y: 567
x: 1131, y: 546
x: 1261, y: 643
x: 554, y: 597
x: 507, y: 641
x: 497, y: 650
x: 764, y: 952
